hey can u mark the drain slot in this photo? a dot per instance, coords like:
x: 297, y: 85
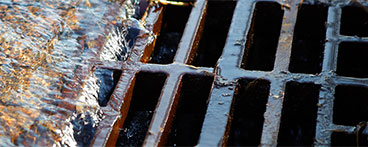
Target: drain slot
x: 216, y: 27
x: 146, y: 92
x: 263, y: 37
x: 352, y: 60
x: 309, y: 38
x: 191, y: 109
x: 173, y: 25
x: 351, y: 105
x: 107, y: 79
x: 249, y: 107
x: 354, y: 20
x: 299, y: 114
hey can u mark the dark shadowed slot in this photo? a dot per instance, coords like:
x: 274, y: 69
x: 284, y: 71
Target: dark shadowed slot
x: 309, y: 39
x: 84, y: 128
x: 190, y: 112
x: 147, y: 90
x: 107, y: 80
x: 216, y: 27
x: 173, y: 24
x: 299, y: 114
x: 263, y: 37
x: 343, y: 139
x: 248, y: 110
x: 354, y: 20
x: 353, y: 60
x: 350, y: 105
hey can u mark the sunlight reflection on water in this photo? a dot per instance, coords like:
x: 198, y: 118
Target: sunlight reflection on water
x: 43, y: 44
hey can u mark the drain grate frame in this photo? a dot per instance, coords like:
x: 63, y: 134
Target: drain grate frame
x: 218, y: 117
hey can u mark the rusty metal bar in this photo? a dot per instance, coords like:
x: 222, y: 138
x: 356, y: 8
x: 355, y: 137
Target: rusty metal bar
x: 192, y: 33
x: 164, y: 112
x: 118, y: 106
x: 180, y: 68
x: 166, y: 108
x: 218, y: 117
x: 235, y: 42
x: 215, y: 125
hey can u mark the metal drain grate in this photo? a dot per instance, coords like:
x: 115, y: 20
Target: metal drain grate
x: 285, y: 76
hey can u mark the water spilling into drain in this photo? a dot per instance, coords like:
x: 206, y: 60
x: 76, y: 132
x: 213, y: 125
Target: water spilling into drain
x: 47, y: 96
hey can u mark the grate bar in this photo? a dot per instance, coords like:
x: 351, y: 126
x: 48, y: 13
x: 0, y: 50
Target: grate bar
x: 116, y: 110
x: 341, y: 128
x: 351, y: 81
x: 326, y: 96
x: 324, y: 115
x: 235, y: 43
x: 353, y: 39
x: 192, y: 33
x: 286, y: 36
x: 162, y: 118
x: 241, y: 73
x: 180, y: 68
x: 332, y: 29
x: 216, y: 122
x: 273, y: 114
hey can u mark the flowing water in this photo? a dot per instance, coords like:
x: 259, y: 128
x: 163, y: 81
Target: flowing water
x: 45, y: 99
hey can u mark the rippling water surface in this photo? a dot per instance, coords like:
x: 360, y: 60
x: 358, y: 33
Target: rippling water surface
x: 43, y: 44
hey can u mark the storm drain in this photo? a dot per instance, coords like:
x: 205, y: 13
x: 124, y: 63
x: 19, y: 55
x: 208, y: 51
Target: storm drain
x: 246, y: 72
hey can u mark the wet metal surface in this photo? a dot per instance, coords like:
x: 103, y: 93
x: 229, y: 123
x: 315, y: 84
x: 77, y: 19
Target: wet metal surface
x: 218, y: 118
x: 88, y: 90
x: 228, y: 71
x: 116, y: 110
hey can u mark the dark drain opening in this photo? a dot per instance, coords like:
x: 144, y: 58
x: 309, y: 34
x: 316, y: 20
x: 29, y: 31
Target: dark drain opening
x: 107, y: 79
x: 299, y: 114
x: 353, y: 60
x: 350, y: 105
x: 248, y: 111
x: 354, y: 21
x: 263, y: 37
x: 216, y: 27
x: 147, y: 90
x: 173, y: 24
x: 191, y: 109
x: 343, y: 139
x: 309, y: 38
